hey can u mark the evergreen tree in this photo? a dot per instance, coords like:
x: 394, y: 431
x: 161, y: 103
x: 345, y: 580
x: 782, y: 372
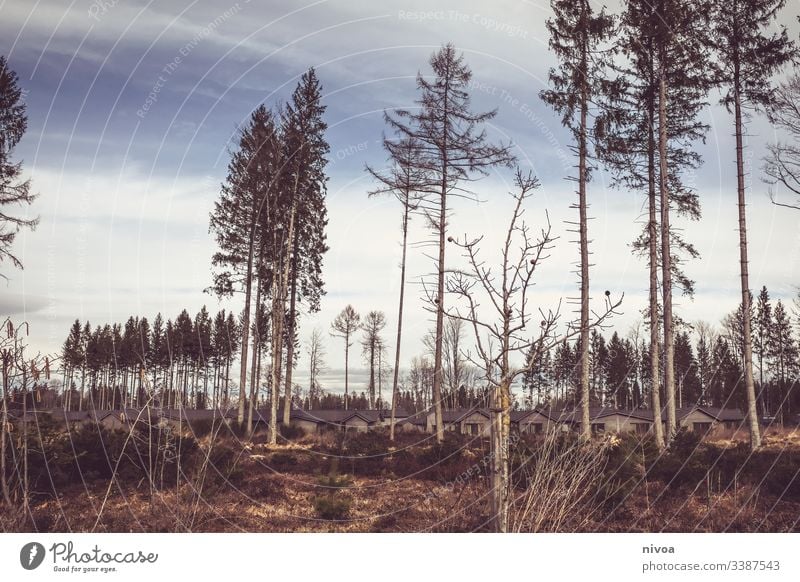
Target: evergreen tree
x: 576, y: 37
x: 619, y: 372
x: 242, y: 218
x: 649, y: 120
x: 304, y: 188
x: 452, y: 149
x: 762, y: 329
x: 747, y: 57
x: 14, y: 191
x: 727, y: 376
x: 405, y: 178
x: 783, y: 352
x: 686, y: 371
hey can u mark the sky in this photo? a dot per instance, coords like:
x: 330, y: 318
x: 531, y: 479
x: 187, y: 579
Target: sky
x: 133, y: 109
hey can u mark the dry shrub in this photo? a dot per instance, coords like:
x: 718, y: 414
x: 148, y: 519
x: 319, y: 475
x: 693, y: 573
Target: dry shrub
x: 558, y: 491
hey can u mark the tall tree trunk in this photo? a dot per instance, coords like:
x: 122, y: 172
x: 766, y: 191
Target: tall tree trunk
x: 372, y: 373
x: 3, y: 429
x: 666, y: 262
x: 399, y: 320
x: 586, y: 426
x: 248, y: 287
x: 278, y: 314
x: 752, y: 414
x: 287, y: 405
x: 346, y: 368
x: 437, y: 354
x: 500, y: 428
x: 652, y: 226
x: 275, y: 372
x: 251, y: 405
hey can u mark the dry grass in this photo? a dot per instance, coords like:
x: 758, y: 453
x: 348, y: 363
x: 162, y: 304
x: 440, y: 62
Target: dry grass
x: 273, y: 490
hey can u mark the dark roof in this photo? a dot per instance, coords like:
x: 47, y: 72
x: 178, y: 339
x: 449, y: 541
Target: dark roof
x: 191, y: 414
x: 457, y: 414
x: 399, y: 413
x: 337, y: 416
x: 573, y: 415
x: 724, y: 414
x: 520, y: 415
x: 418, y: 418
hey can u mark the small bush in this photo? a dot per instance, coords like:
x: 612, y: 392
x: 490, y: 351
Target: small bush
x: 624, y: 469
x: 332, y: 507
x: 366, y: 452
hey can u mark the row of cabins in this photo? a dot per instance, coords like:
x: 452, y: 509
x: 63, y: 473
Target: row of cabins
x: 472, y: 421
x: 476, y: 421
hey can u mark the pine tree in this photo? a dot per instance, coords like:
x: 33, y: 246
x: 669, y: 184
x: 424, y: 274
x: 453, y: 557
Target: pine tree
x: 783, y: 351
x: 304, y: 150
x: 14, y: 191
x: 762, y: 328
x: 727, y: 376
x: 404, y: 179
x: 453, y: 149
x: 577, y: 35
x: 747, y: 57
x: 688, y: 382
x: 72, y: 356
x: 619, y: 372
x: 247, y: 202
x: 681, y: 58
x: 158, y: 353
x: 647, y: 146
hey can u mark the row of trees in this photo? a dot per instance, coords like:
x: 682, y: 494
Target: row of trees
x: 181, y: 362
x: 631, y: 88
x: 269, y: 224
x: 709, y: 366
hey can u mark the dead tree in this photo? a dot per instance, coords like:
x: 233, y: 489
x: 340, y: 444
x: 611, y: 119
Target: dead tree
x: 782, y: 165
x: 503, y: 335
x: 453, y: 148
x: 404, y: 180
x: 344, y: 326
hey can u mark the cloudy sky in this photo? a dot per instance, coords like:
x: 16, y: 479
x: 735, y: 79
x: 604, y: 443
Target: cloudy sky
x: 133, y: 105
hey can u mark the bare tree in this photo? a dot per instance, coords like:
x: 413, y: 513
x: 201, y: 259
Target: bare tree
x: 502, y: 331
x: 406, y: 177
x: 782, y: 165
x: 344, y: 326
x: 454, y: 365
x: 452, y: 148
x: 316, y: 364
x: 372, y: 345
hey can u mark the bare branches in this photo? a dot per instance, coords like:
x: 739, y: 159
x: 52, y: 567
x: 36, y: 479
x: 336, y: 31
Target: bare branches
x: 782, y: 165
x: 502, y: 325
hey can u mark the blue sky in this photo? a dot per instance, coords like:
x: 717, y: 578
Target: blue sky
x: 132, y: 107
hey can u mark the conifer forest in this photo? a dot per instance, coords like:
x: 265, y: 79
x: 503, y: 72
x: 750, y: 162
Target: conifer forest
x: 410, y: 267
